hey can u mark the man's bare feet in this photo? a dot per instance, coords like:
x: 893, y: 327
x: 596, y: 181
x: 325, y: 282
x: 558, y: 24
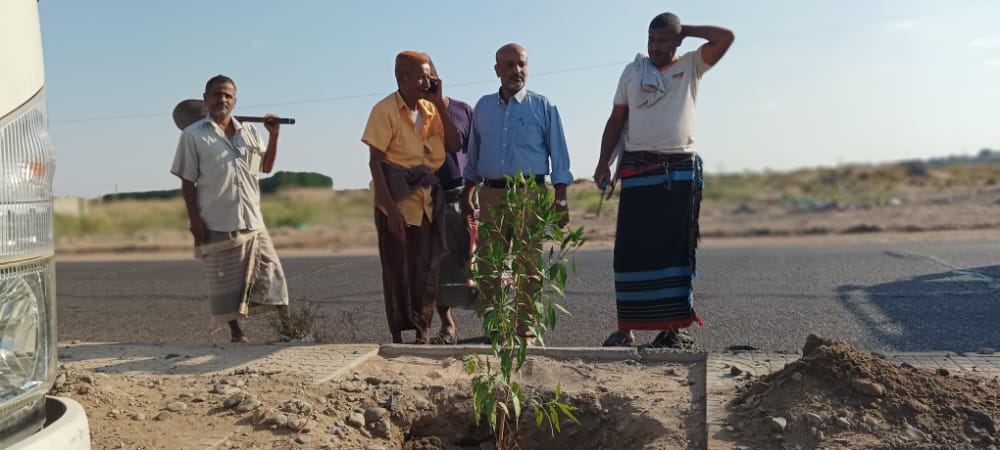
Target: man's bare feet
x: 236, y: 333
x: 423, y: 336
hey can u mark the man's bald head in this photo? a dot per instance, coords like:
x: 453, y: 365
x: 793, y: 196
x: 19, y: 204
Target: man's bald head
x: 668, y: 21
x: 413, y: 76
x: 511, y: 48
x: 409, y: 59
x: 511, y: 68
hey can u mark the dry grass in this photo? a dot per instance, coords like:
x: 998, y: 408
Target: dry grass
x: 350, y: 211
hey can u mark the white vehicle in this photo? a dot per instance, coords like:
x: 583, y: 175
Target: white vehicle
x: 29, y: 419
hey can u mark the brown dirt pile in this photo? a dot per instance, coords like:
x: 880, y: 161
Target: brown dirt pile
x: 838, y: 397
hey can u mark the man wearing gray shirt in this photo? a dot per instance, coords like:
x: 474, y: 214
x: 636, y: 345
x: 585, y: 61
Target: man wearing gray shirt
x: 218, y: 160
x: 651, y: 131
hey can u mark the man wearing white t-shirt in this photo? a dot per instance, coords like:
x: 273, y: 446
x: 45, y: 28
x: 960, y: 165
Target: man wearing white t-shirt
x: 651, y: 134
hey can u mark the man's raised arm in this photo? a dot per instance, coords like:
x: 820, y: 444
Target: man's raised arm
x: 719, y: 39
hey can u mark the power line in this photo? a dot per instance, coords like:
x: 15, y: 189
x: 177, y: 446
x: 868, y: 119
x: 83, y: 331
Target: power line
x: 336, y: 99
x: 924, y: 14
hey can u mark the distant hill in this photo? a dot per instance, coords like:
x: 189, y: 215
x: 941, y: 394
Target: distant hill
x: 985, y: 155
x: 280, y: 180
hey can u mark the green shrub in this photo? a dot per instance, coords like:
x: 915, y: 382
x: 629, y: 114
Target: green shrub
x: 525, y: 280
x: 285, y: 180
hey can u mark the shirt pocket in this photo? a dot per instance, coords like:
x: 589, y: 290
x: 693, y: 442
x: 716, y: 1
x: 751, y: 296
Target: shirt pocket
x: 254, y: 157
x: 434, y: 152
x: 529, y: 135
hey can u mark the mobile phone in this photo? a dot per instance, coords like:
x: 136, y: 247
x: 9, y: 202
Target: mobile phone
x: 435, y: 84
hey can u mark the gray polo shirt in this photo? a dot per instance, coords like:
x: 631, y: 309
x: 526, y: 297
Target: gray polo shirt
x: 224, y: 172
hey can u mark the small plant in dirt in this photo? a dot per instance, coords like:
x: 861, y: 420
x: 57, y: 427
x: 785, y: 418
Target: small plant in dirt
x: 520, y: 280
x: 295, y: 323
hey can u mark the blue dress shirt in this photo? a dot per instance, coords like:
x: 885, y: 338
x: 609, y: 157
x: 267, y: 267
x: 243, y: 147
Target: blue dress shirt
x: 521, y: 135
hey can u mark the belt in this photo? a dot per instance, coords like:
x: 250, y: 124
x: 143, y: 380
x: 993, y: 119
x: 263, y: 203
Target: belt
x: 453, y: 195
x: 501, y: 183
x: 659, y: 158
x: 648, y: 163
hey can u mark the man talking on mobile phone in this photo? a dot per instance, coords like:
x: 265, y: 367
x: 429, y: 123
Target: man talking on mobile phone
x: 407, y: 135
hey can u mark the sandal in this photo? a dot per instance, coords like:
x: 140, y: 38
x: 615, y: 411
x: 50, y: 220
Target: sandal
x: 240, y: 340
x: 443, y: 339
x: 619, y: 339
x: 677, y: 339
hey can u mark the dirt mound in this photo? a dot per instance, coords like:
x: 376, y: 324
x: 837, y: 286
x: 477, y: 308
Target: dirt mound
x: 838, y: 397
x: 408, y: 403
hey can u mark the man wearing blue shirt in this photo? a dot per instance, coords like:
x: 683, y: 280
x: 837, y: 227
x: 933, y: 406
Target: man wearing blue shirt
x: 514, y: 130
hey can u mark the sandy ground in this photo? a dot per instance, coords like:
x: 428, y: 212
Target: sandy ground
x: 623, y: 406
x: 388, y: 403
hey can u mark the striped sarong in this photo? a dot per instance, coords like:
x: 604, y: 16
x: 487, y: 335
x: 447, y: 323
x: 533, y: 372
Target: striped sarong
x: 654, y: 260
x: 244, y: 274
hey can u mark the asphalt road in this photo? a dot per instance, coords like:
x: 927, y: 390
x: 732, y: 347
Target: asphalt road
x: 899, y: 297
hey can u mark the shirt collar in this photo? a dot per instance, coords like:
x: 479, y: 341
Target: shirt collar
x: 400, y: 103
x: 426, y: 110
x: 519, y: 96
x: 208, y: 122
x: 423, y: 105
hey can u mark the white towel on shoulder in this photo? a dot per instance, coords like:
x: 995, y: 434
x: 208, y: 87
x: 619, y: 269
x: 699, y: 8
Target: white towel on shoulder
x: 653, y: 89
x: 652, y: 85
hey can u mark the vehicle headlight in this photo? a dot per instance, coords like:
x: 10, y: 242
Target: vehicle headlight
x: 27, y: 270
x: 24, y: 342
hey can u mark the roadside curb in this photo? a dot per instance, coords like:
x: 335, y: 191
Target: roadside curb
x: 321, y: 362
x: 602, y: 354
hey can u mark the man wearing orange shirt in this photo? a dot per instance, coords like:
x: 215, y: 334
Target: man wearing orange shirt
x: 407, y: 136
